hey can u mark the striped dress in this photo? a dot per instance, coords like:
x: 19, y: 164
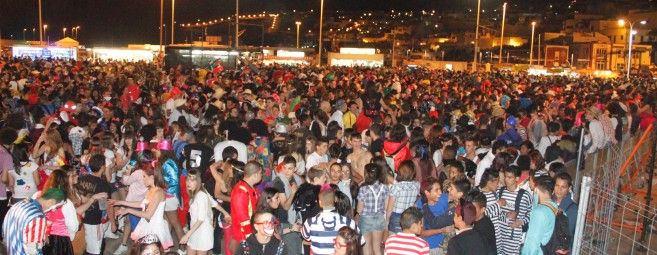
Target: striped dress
x: 25, y: 228
x: 510, y: 239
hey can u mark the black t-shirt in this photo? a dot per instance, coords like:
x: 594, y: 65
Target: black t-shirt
x: 93, y: 215
x: 486, y: 230
x: 256, y: 248
x: 197, y: 155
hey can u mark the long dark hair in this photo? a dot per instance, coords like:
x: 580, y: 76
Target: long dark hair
x: 263, y: 202
x: 372, y: 174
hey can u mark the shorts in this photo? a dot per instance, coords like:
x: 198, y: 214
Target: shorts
x: 394, y: 226
x: 134, y: 220
x: 93, y: 236
x: 171, y: 204
x: 372, y: 222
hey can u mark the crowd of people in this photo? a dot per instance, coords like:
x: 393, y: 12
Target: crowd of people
x: 298, y: 159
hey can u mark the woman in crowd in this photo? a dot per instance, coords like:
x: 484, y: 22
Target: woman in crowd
x: 403, y: 195
x: 171, y: 174
x: 372, y: 222
x: 64, y: 220
x: 24, y: 178
x: 152, y: 216
x: 199, y: 238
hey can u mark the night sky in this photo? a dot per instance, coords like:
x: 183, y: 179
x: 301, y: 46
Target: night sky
x: 118, y: 22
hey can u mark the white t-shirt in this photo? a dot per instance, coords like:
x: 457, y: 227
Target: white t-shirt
x: 239, y: 146
x: 24, y: 184
x: 315, y: 159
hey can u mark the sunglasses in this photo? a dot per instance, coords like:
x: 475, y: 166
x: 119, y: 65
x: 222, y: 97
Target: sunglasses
x: 268, y: 224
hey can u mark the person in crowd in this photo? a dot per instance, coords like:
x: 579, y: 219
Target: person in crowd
x: 467, y: 240
x: 483, y: 224
x: 147, y: 245
x: 403, y: 195
x: 288, y: 182
x: 23, y: 179
x: 395, y: 149
x: 243, y: 199
x: 437, y: 203
x: 152, y: 219
x: 554, y: 130
x: 407, y: 241
x: 64, y: 219
x: 263, y: 241
x: 563, y: 197
x: 319, y: 157
x: 136, y: 191
x: 487, y: 161
x: 321, y: 230
x: 7, y: 138
x: 372, y: 196
x: 24, y: 228
x: 199, y: 238
x: 358, y: 158
x: 542, y: 218
x: 347, y: 242
x: 95, y: 217
x: 514, y: 214
x: 163, y: 151
x: 510, y: 135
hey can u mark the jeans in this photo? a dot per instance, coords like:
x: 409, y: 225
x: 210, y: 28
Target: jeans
x: 393, y: 225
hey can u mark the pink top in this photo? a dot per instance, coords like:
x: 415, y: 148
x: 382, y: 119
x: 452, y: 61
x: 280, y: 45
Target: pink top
x: 136, y: 188
x: 58, y: 222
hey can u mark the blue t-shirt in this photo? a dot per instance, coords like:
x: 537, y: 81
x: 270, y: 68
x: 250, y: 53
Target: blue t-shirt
x: 437, y: 209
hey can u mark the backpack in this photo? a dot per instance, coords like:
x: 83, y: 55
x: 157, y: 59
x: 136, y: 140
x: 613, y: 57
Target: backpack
x: 305, y: 201
x: 516, y: 208
x: 561, y: 237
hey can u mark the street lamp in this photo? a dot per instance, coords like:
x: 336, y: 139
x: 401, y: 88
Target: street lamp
x: 476, y: 44
x: 502, y: 33
x: 237, y: 24
x: 24, y: 30
x: 321, y: 23
x: 161, y: 24
x: 41, y: 25
x: 298, y: 26
x: 63, y: 32
x: 173, y: 20
x: 45, y: 31
x: 621, y: 22
x: 531, y: 49
x: 34, y: 33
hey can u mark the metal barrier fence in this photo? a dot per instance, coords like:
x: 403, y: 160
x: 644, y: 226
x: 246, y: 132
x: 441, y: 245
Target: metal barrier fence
x: 615, y: 214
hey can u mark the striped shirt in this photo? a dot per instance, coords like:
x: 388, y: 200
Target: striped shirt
x: 511, y: 238
x: 322, y: 229
x: 493, y: 211
x: 406, y: 244
x: 25, y: 228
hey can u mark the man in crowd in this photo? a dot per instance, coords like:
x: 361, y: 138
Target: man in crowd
x: 407, y: 242
x: 322, y: 229
x: 243, y: 199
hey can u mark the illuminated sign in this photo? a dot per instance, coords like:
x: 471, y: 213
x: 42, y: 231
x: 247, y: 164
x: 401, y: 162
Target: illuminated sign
x: 123, y: 54
x: 363, y: 51
x: 292, y: 54
x: 44, y: 52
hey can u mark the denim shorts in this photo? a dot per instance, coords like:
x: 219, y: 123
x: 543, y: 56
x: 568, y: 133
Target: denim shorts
x: 372, y: 222
x: 393, y: 224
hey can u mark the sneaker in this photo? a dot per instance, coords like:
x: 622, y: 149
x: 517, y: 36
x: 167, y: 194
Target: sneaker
x: 122, y: 248
x: 110, y: 235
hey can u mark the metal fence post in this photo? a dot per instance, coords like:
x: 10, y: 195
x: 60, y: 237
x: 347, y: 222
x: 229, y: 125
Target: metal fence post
x: 580, y: 156
x: 581, y: 214
x: 646, y: 219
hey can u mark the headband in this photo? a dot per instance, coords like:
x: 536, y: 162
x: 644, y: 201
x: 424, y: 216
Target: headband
x: 141, y: 146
